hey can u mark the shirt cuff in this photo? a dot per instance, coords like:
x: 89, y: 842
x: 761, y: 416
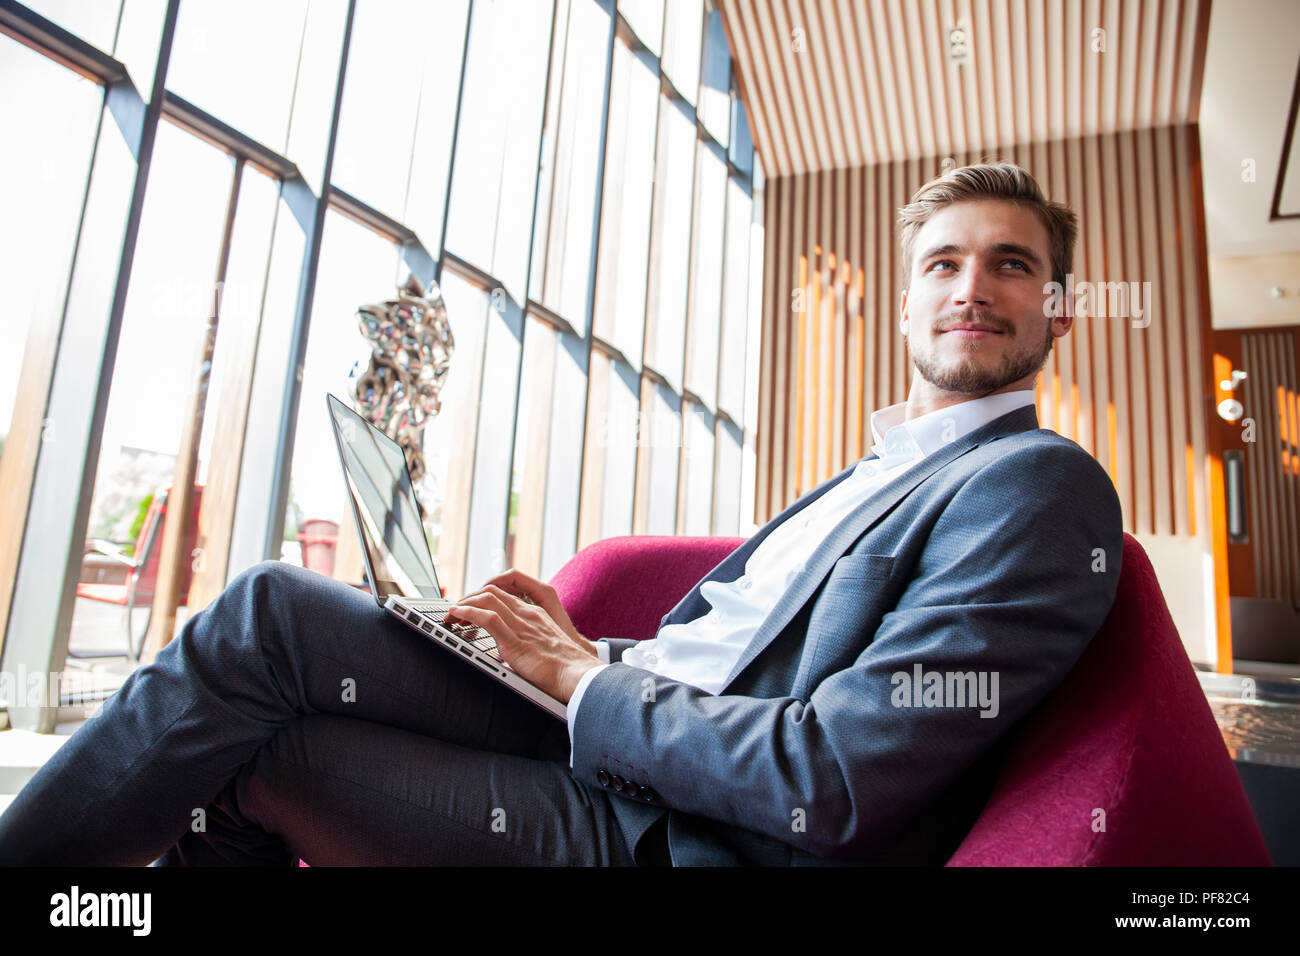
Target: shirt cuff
x: 571, y: 712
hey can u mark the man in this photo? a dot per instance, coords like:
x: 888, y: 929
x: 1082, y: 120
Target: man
x: 840, y: 689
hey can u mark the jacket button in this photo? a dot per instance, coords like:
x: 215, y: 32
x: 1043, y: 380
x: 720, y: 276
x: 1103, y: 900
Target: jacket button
x: 646, y: 794
x: 603, y: 777
x: 619, y: 783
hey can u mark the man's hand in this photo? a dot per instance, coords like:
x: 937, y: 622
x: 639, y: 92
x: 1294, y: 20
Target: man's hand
x: 533, y: 633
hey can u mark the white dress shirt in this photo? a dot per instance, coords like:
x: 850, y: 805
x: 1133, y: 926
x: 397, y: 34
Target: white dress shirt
x: 703, y: 652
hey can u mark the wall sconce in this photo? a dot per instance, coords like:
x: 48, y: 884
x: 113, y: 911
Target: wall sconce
x: 1230, y: 410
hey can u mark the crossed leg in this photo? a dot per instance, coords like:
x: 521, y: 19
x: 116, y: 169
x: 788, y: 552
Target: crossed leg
x: 293, y: 717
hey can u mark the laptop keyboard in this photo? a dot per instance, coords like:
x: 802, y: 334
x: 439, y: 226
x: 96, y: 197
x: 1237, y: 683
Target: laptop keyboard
x: 471, y: 634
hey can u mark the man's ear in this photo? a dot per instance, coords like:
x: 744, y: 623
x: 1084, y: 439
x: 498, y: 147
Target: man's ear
x: 1063, y: 317
x: 902, y: 312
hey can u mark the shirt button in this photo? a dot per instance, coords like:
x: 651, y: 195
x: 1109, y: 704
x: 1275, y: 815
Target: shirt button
x: 651, y: 660
x: 746, y: 583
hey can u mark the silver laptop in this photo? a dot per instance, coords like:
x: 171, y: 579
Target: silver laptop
x: 398, y: 562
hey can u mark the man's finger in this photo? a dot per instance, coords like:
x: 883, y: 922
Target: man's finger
x: 487, y: 619
x: 486, y: 601
x: 523, y: 586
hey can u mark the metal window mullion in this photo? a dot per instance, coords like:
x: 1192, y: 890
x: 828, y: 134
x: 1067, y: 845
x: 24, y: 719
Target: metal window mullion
x: 455, y: 136
x: 683, y: 476
x: 172, y: 558
x: 523, y: 306
x: 722, y: 328
x: 292, y: 393
x: 51, y: 40
x: 593, y: 254
x: 225, y: 137
x: 651, y: 249
x: 41, y: 643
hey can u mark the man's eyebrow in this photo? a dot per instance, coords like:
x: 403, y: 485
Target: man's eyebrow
x: 1001, y: 249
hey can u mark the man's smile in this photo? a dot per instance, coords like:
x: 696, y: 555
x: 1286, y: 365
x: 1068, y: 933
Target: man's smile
x: 972, y: 333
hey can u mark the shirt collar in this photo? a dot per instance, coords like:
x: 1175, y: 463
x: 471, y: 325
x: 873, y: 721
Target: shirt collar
x: 898, y: 439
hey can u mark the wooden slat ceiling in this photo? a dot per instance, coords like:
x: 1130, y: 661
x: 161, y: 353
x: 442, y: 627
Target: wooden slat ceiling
x: 831, y: 84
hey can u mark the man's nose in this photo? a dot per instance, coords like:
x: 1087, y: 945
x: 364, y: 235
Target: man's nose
x: 973, y: 289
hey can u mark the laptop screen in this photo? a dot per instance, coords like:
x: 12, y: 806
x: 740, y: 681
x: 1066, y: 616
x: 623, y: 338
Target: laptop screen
x: 383, y: 504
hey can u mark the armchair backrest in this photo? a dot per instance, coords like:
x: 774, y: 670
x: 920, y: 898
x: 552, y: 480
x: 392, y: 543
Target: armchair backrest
x: 148, y: 548
x: 1124, y: 764
x: 623, y: 586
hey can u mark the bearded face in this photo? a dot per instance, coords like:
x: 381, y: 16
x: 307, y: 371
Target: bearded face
x: 974, y: 313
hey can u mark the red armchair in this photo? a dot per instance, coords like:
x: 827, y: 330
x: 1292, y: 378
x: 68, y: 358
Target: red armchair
x: 137, y: 590
x: 1129, y: 732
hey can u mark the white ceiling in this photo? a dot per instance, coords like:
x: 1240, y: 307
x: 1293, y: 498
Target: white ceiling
x: 1250, y: 71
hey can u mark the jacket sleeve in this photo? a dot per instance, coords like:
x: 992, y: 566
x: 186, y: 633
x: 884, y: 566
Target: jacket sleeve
x: 1016, y: 575
x: 617, y: 645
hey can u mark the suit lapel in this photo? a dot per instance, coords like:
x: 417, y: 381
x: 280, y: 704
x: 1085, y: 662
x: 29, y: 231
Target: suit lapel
x: 857, y: 522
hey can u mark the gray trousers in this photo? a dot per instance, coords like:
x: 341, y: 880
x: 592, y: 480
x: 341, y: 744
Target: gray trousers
x: 294, y: 718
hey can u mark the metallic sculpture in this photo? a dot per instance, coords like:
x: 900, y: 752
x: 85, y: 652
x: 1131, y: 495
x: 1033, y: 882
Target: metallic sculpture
x: 410, y: 351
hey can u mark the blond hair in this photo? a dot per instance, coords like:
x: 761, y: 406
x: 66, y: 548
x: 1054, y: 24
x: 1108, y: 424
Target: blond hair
x: 991, y: 181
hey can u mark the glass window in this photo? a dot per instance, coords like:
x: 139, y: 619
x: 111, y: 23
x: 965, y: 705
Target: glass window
x: 609, y: 461
x: 628, y: 193
x: 357, y: 267
x: 706, y: 272
x: 670, y: 245
x: 253, y: 91
x: 657, y: 465
x: 96, y: 23
x: 682, y: 42
x: 646, y: 18
x: 697, y: 470
x: 715, y: 79
x: 240, y: 298
x: 563, y: 473
x: 313, y: 108
x: 55, y: 113
x: 169, y: 303
x: 566, y: 207
x: 227, y: 406
x: 726, y: 503
x: 138, y: 34
x: 554, y: 158
x: 741, y: 148
x: 468, y: 445
x: 547, y: 451
x: 756, y: 240
x: 532, y: 448
x: 495, y: 172
x: 735, y: 300
x: 399, y: 111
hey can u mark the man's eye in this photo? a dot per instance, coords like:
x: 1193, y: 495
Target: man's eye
x: 1024, y: 267
x: 943, y: 262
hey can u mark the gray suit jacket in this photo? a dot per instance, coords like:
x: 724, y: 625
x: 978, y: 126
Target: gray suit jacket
x: 995, y: 558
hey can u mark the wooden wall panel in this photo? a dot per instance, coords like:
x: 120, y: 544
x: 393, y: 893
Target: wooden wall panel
x: 1270, y: 397
x: 836, y: 84
x: 1128, y: 389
